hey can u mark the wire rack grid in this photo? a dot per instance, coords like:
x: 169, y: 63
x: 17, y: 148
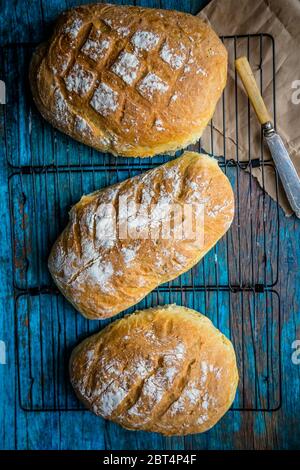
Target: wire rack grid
x: 233, y: 285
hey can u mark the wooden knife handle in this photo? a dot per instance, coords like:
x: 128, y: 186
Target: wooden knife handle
x: 244, y: 70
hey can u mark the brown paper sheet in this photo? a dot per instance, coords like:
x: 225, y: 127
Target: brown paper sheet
x: 280, y: 19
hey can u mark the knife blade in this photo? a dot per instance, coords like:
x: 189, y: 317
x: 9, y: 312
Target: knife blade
x: 286, y: 170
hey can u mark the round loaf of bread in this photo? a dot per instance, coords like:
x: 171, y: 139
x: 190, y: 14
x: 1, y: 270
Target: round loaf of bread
x: 166, y: 369
x: 129, y: 80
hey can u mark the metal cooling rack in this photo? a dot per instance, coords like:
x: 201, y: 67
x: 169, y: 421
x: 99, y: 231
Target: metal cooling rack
x: 233, y: 284
x: 251, y: 320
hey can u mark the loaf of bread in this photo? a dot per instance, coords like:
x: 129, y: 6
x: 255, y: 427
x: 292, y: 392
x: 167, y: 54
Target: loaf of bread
x: 123, y: 241
x: 165, y: 369
x: 128, y: 80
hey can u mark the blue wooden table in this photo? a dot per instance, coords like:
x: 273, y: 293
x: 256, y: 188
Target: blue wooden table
x: 22, y: 426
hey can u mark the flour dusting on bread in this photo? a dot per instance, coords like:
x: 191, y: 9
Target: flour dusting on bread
x: 79, y: 80
x: 126, y: 67
x: 105, y: 100
x: 96, y: 48
x: 145, y: 40
x: 74, y: 28
x: 157, y: 370
x: 152, y: 84
x: 63, y: 112
x: 173, y: 57
x: 125, y: 240
x: 82, y: 125
x: 113, y: 59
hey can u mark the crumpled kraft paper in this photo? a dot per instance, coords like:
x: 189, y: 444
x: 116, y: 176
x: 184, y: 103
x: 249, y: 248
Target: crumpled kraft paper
x: 280, y: 19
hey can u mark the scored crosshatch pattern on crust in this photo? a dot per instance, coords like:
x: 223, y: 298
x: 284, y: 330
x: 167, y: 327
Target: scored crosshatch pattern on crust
x: 120, y: 51
x: 137, y: 75
x: 52, y: 175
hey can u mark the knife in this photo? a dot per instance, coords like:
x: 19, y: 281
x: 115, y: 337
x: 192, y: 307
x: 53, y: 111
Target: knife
x: 286, y: 170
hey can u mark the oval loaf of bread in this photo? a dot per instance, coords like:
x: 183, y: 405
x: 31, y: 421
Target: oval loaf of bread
x: 113, y: 254
x: 165, y: 369
x: 128, y: 80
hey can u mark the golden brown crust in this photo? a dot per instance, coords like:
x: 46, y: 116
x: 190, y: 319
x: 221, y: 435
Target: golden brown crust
x: 166, y: 370
x: 128, y: 80
x: 103, y: 269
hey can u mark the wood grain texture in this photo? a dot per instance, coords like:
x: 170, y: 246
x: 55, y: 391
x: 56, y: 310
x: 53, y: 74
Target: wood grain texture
x: 244, y: 70
x: 32, y: 21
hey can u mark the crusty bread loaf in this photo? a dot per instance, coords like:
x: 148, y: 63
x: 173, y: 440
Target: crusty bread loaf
x: 166, y: 370
x: 104, y: 268
x: 128, y: 80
